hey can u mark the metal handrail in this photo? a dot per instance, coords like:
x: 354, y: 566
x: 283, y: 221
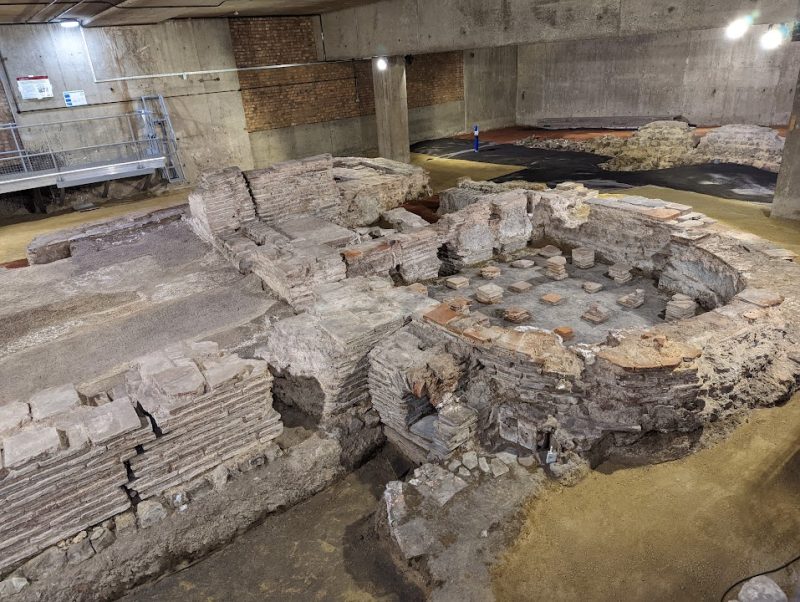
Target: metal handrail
x: 137, y: 113
x: 81, y: 148
x: 138, y: 140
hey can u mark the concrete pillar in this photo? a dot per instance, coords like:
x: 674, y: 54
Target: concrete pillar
x: 391, y: 108
x: 786, y: 203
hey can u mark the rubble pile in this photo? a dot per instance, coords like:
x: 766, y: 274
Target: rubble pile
x: 220, y: 203
x: 471, y: 235
x: 657, y: 145
x: 468, y: 191
x: 70, y: 462
x: 287, y: 223
x: 664, y: 144
x: 410, y: 256
x: 369, y: 350
x: 370, y: 187
x: 753, y: 145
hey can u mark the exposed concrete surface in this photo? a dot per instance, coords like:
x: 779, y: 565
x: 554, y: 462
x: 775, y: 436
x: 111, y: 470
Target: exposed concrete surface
x: 419, y: 26
x: 787, y: 189
x: 699, y: 75
x: 391, y: 107
x: 206, y: 110
x: 683, y: 530
x: 323, y: 549
x: 490, y: 87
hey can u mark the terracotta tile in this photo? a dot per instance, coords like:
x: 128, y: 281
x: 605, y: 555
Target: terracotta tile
x: 442, y: 315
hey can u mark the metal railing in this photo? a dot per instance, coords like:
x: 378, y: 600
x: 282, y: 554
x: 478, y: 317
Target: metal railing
x: 89, y: 150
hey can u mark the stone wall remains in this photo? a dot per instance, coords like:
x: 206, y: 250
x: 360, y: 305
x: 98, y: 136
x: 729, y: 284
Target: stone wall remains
x: 70, y: 462
x: 664, y: 144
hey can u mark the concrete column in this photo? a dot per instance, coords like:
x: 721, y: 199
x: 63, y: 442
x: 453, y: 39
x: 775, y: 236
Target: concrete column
x: 391, y: 109
x: 786, y: 203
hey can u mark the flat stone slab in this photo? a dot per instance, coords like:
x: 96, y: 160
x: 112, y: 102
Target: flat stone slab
x: 520, y: 287
x: 112, y: 420
x: 490, y: 272
x: 761, y: 297
x: 456, y: 282
x: 13, y: 415
x: 565, y: 332
x: 784, y: 254
x: 522, y: 264
x: 552, y: 299
x: 549, y: 251
x: 437, y: 483
x: 489, y: 294
x: 29, y: 445
x: 648, y: 352
x: 442, y: 315
x: 54, y: 400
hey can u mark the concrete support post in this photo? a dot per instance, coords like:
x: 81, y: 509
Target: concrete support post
x: 786, y: 203
x: 391, y: 108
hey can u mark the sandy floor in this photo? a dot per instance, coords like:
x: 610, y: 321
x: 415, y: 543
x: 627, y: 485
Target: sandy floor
x: 446, y: 172
x: 14, y: 238
x: 682, y: 530
x: 323, y: 549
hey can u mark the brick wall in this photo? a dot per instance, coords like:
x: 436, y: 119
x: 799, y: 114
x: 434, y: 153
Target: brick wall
x: 434, y: 79
x: 273, y: 41
x: 280, y: 98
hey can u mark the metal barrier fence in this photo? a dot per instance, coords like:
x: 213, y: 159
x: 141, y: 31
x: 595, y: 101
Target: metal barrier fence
x: 81, y: 151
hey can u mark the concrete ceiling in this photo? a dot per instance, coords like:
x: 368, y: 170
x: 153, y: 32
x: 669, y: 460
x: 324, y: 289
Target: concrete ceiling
x: 137, y: 12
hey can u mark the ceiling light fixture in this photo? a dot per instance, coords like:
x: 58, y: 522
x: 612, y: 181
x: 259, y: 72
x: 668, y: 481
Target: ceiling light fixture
x: 773, y: 37
x: 69, y: 23
x: 382, y: 64
x: 738, y: 27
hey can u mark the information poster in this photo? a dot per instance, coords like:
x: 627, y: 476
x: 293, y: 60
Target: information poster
x: 34, y: 87
x: 74, y: 98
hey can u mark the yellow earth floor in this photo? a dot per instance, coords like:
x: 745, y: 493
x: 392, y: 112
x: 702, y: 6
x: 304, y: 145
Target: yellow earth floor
x: 446, y: 172
x: 680, y: 531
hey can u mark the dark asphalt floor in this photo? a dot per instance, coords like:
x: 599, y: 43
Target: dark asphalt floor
x: 726, y: 180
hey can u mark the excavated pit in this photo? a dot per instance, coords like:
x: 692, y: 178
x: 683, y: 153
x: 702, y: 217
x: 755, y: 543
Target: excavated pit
x: 473, y: 344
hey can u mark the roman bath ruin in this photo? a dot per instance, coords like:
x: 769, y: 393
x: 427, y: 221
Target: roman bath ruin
x: 333, y: 370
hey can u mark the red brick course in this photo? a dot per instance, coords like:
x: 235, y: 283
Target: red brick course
x: 278, y: 98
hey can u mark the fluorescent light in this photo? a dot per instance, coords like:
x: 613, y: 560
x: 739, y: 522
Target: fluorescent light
x: 69, y: 23
x: 772, y: 38
x: 382, y: 64
x: 738, y: 28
